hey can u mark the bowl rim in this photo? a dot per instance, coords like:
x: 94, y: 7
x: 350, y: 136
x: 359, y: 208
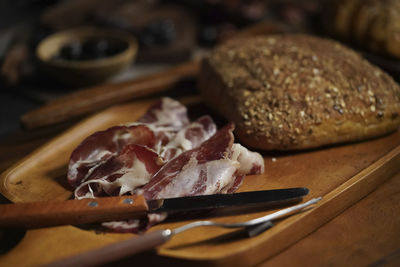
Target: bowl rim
x: 84, y: 32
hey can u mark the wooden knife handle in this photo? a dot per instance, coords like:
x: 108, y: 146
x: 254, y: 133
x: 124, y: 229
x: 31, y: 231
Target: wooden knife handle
x: 116, y: 251
x: 51, y: 213
x: 88, y: 100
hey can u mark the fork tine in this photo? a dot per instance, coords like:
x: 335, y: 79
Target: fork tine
x: 258, y: 229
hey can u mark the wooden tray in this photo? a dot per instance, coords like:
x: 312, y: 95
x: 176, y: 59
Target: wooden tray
x: 341, y: 174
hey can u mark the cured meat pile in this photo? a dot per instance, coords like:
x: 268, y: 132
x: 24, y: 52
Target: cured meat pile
x: 163, y: 155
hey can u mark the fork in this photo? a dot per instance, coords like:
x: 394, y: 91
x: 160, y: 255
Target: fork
x: 151, y: 240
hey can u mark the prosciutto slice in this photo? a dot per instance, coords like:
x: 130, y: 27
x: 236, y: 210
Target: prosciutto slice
x: 96, y: 149
x: 162, y: 155
x: 191, y: 136
x: 207, y: 169
x: 155, y: 127
x: 166, y: 113
x: 134, y: 166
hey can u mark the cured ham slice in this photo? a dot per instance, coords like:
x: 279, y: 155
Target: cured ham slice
x: 192, y: 136
x: 203, y: 170
x: 214, y: 167
x: 250, y: 162
x: 134, y: 166
x: 135, y: 225
x: 167, y: 113
x: 165, y: 128
x: 101, y: 146
x: 162, y: 155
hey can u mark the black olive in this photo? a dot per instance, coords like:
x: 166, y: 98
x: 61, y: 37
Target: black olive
x: 71, y: 51
x: 158, y: 32
x: 93, y: 48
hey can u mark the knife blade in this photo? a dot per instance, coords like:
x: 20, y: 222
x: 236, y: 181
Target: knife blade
x: 228, y: 202
x: 84, y: 211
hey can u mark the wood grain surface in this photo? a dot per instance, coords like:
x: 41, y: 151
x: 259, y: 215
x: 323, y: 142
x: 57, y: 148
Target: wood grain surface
x: 366, y: 234
x: 341, y: 174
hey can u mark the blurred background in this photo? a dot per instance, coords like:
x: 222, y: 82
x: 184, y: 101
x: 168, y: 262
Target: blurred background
x: 47, y: 51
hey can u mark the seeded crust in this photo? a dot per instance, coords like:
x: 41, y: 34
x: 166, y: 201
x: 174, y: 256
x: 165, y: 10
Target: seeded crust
x: 289, y: 92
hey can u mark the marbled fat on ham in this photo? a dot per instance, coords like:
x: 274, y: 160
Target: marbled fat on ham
x: 189, y: 137
x: 101, y: 146
x: 134, y: 166
x: 165, y: 129
x: 166, y: 115
x: 161, y: 155
x: 207, y: 169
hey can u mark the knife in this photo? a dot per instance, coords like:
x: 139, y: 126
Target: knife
x: 83, y: 211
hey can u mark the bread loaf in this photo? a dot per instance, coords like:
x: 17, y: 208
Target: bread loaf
x: 288, y: 92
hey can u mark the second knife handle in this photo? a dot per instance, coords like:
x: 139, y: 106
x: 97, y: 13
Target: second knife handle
x: 116, y: 251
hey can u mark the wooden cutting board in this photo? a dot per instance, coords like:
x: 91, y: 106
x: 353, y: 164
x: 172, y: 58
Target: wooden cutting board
x: 342, y: 175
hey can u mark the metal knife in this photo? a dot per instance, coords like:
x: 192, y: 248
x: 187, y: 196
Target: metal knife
x: 52, y: 213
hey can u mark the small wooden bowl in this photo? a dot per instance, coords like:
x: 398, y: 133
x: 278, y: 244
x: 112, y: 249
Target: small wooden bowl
x: 84, y: 72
